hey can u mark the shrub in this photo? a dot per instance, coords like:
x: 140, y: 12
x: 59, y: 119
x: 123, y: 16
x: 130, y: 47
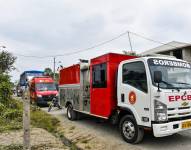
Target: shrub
x: 43, y: 120
x: 2, y: 109
x: 5, y: 89
x: 13, y: 114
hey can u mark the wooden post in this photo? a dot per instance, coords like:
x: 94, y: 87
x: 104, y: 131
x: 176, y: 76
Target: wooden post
x: 26, y: 120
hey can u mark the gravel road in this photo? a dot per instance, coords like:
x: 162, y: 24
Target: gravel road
x: 109, y: 134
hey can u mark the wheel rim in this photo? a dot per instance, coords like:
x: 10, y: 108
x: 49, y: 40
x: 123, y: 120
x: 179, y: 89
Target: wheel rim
x: 69, y: 112
x: 128, y: 130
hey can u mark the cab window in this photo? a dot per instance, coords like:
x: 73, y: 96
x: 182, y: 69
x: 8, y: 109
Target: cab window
x: 134, y: 74
x: 99, y: 76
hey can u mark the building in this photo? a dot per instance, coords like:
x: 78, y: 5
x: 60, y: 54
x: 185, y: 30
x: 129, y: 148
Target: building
x: 178, y: 49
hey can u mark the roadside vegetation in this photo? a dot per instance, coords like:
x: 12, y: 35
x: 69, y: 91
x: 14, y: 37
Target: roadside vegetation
x: 41, y: 119
x: 11, y: 110
x: 10, y: 116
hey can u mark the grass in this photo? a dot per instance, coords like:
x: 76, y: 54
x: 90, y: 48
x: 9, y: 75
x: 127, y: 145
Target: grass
x: 10, y: 116
x: 11, y: 119
x: 72, y: 127
x: 20, y: 147
x: 41, y: 119
x: 87, y: 147
x: 85, y: 141
x: 12, y: 147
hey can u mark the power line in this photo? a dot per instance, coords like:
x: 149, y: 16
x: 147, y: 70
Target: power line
x: 78, y: 51
x: 149, y: 39
x: 98, y: 45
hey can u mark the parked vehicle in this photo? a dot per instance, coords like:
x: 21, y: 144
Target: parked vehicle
x: 19, y: 91
x: 42, y: 90
x: 138, y: 93
x: 25, y: 77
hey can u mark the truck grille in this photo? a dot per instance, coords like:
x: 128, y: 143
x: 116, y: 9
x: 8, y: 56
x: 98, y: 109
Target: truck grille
x: 179, y: 112
x: 48, y: 97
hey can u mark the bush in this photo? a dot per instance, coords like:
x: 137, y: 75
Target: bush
x: 10, y: 116
x: 13, y: 114
x: 2, y: 109
x: 43, y: 120
x: 15, y: 104
x: 5, y: 89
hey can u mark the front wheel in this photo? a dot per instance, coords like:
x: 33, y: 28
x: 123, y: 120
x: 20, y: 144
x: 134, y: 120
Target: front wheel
x: 130, y: 131
x: 71, y: 114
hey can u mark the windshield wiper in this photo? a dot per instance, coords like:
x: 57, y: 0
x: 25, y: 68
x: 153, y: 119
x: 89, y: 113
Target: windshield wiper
x: 171, y: 85
x: 166, y: 83
x: 182, y: 83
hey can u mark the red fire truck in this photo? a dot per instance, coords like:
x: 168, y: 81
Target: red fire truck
x: 151, y: 92
x: 42, y: 90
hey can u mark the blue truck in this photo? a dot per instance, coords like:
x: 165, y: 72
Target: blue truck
x: 25, y: 77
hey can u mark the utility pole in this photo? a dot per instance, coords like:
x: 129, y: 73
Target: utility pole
x: 54, y: 67
x: 130, y: 41
x: 26, y: 119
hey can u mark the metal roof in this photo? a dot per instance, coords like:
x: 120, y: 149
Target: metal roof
x: 167, y: 47
x: 32, y: 71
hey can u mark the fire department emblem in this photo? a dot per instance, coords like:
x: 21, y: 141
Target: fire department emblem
x: 132, y: 97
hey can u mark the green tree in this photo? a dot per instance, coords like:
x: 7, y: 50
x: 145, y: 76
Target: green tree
x: 49, y: 72
x: 6, y: 62
x: 5, y: 88
x: 6, y: 65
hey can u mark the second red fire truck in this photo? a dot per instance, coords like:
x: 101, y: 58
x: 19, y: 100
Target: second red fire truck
x: 42, y: 90
x: 137, y: 92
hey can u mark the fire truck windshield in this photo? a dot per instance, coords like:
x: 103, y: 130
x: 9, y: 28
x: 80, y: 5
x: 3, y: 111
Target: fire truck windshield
x: 175, y: 74
x: 45, y: 87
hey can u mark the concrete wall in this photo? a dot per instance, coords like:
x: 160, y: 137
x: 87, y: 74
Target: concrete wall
x: 186, y: 53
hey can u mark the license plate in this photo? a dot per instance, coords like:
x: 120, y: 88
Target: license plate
x: 186, y: 125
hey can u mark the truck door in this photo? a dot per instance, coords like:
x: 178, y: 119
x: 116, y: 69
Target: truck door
x: 133, y: 91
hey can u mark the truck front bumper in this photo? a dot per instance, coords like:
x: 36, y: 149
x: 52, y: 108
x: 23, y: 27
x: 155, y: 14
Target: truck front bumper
x: 166, y: 129
x: 42, y: 102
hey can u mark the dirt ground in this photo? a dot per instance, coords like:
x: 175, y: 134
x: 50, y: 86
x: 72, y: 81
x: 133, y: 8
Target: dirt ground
x: 87, y: 136
x: 40, y: 140
x: 91, y: 134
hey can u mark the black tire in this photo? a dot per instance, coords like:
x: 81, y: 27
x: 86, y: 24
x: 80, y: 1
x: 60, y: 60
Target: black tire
x: 71, y: 114
x: 130, y: 131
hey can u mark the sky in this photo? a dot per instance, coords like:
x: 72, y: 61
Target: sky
x: 55, y: 27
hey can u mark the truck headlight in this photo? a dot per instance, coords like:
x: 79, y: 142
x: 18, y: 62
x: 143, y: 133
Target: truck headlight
x: 57, y: 95
x: 38, y: 95
x: 160, y: 111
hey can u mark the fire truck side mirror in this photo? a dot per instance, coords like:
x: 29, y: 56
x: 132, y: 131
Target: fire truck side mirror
x: 157, y: 76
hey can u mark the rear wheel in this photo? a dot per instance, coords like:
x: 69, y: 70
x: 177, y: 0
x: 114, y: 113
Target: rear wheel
x: 71, y: 114
x: 130, y: 131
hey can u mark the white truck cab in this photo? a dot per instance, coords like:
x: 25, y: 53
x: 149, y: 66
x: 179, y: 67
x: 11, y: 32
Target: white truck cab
x: 157, y: 90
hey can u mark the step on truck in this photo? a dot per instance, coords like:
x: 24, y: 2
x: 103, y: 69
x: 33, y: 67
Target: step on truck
x: 138, y: 93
